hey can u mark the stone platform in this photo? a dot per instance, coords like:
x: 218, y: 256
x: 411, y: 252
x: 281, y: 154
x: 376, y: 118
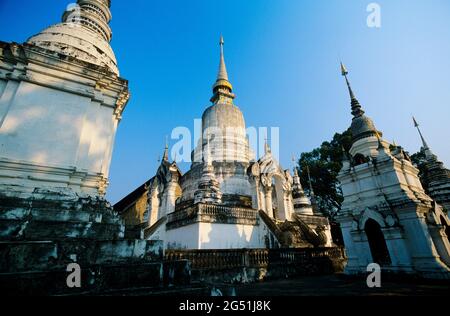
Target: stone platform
x: 41, y: 233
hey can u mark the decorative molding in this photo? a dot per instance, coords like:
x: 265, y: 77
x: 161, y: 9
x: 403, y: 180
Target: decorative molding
x: 208, y: 213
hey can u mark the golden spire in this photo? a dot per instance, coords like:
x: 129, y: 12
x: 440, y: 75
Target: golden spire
x: 222, y: 75
x: 222, y: 88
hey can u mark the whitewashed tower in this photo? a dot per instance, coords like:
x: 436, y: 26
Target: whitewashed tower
x: 386, y: 217
x: 61, y: 99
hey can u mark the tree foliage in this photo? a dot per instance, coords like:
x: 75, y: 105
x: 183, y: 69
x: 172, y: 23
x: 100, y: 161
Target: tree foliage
x: 324, y: 164
x: 419, y: 160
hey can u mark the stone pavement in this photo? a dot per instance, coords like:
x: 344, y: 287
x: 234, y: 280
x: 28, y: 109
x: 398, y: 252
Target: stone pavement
x: 325, y: 285
x: 335, y: 285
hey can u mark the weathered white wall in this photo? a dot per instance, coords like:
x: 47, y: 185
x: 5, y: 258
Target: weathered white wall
x: 185, y: 237
x: 43, y: 125
x: 49, y: 127
x: 389, y: 192
x: 57, y: 122
x: 227, y: 236
x: 215, y: 236
x: 160, y: 234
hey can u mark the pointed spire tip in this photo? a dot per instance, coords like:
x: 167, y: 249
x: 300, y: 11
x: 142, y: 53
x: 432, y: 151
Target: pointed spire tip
x: 344, y: 70
x: 222, y: 75
x: 424, y: 142
x: 222, y: 88
x: 166, y: 150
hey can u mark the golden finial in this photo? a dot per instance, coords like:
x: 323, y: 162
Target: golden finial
x: 222, y: 79
x: 344, y: 70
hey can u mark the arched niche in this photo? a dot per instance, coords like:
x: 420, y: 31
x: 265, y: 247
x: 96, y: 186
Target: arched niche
x: 371, y: 214
x: 377, y: 242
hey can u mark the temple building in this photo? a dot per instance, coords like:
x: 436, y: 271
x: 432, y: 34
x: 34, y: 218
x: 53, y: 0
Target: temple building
x: 61, y: 100
x: 227, y: 199
x: 386, y: 216
x: 66, y: 73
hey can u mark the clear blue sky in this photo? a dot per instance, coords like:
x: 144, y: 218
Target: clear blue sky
x: 282, y: 58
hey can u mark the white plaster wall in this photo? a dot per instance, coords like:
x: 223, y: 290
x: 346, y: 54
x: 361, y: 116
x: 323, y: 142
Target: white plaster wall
x: 100, y: 126
x: 235, y: 184
x: 397, y: 248
x: 350, y: 247
x: 51, y: 128
x: 185, y: 237
x: 160, y: 234
x: 215, y: 236
x: 43, y: 125
x: 228, y: 236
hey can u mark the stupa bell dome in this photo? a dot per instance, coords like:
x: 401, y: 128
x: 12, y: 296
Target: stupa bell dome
x: 223, y: 116
x: 84, y: 33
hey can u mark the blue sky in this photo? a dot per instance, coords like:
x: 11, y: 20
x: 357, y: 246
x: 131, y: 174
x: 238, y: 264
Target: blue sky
x: 283, y: 60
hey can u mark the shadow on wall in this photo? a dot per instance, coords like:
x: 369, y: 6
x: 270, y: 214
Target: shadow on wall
x: 231, y: 236
x: 223, y: 236
x: 53, y: 127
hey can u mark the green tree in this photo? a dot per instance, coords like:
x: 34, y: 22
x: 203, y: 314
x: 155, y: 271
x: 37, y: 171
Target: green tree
x: 324, y: 164
x: 419, y: 159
